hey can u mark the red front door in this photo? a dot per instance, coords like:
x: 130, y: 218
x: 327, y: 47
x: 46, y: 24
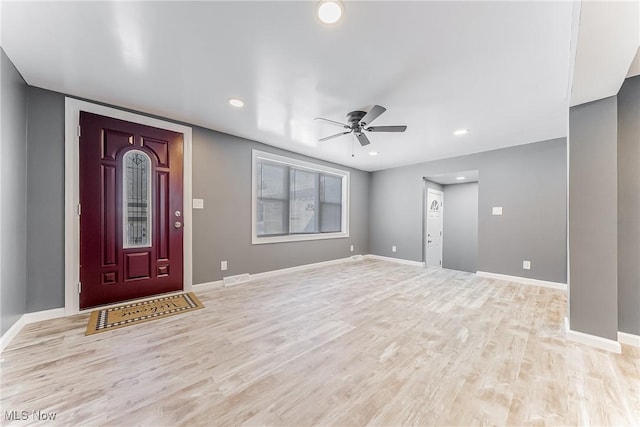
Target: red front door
x: 131, y: 210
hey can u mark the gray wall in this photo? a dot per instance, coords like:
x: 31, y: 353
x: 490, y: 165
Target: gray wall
x: 629, y: 206
x: 222, y: 231
x: 460, y: 229
x: 13, y: 198
x: 593, y: 218
x: 45, y: 200
x: 528, y: 181
x: 221, y: 176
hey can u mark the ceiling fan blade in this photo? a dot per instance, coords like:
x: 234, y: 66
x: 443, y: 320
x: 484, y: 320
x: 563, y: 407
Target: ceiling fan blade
x: 333, y: 122
x: 362, y: 139
x: 375, y: 111
x: 386, y: 129
x: 333, y: 136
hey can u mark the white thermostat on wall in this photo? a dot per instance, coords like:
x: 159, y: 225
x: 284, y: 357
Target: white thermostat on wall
x: 496, y: 210
x: 198, y: 203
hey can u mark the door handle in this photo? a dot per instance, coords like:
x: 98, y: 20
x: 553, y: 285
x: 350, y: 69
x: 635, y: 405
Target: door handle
x: 177, y: 224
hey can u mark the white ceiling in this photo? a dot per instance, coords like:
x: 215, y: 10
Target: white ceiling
x: 634, y: 70
x: 607, y: 41
x: 500, y: 69
x: 460, y: 177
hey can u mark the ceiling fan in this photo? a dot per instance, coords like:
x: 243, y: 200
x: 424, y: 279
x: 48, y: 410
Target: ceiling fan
x: 358, y: 121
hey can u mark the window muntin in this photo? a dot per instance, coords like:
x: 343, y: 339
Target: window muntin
x: 136, y: 199
x: 295, y: 200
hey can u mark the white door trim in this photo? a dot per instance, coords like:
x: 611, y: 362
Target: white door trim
x: 72, y: 197
x: 426, y: 224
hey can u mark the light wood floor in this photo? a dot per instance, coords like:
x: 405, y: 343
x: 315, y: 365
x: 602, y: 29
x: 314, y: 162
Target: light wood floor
x: 364, y: 342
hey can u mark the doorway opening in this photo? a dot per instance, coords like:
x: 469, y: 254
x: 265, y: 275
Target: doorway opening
x: 450, y: 226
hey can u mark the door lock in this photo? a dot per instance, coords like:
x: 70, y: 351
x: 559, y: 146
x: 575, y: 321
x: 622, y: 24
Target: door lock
x: 178, y: 214
x: 177, y: 224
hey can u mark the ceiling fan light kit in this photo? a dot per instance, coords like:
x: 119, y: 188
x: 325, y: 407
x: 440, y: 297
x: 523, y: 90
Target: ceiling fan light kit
x: 357, y: 122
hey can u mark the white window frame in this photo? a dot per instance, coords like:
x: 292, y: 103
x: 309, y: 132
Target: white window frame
x: 299, y: 164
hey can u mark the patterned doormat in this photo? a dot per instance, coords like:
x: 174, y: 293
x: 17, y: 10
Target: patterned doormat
x: 107, y: 319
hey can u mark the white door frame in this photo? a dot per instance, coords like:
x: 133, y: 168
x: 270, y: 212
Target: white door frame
x: 426, y: 223
x: 72, y: 194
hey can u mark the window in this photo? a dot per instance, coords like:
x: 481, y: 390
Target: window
x: 295, y: 200
x: 136, y: 199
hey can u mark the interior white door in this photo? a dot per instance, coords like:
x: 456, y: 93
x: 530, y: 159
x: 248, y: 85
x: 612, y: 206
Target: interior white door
x: 433, y: 239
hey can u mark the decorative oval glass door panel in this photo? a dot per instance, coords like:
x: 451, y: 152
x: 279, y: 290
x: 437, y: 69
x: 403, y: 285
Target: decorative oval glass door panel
x: 136, y: 200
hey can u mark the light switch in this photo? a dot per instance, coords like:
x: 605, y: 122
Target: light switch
x: 198, y: 203
x: 496, y: 210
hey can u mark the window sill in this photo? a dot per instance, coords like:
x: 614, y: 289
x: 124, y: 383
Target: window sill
x: 297, y: 238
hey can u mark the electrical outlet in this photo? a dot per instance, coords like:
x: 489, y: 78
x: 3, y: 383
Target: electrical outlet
x: 351, y: 248
x: 223, y: 265
x: 526, y: 265
x: 496, y: 210
x: 393, y: 248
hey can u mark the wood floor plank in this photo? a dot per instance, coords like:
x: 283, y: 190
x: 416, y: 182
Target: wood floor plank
x: 366, y: 342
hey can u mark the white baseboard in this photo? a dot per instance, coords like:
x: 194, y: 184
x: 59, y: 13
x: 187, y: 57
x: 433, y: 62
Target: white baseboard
x: 236, y: 280
x: 594, y: 341
x: 300, y: 268
x: 39, y: 316
x: 255, y: 276
x: 205, y: 286
x: 629, y: 339
x: 12, y: 332
x: 25, y: 319
x: 396, y: 260
x: 246, y: 277
x: 523, y: 280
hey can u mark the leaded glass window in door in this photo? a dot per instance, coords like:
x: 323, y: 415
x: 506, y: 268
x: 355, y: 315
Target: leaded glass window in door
x: 136, y: 196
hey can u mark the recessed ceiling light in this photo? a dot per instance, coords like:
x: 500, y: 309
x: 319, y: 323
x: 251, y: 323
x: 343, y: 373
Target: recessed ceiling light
x: 459, y: 178
x: 373, y: 153
x: 236, y: 102
x: 461, y: 131
x: 329, y: 12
